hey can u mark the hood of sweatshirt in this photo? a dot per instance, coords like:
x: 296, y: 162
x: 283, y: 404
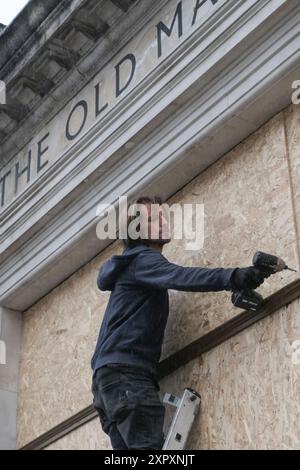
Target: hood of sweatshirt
x: 112, y: 268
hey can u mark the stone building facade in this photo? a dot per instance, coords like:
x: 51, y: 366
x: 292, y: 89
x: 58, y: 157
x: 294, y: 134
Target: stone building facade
x: 195, y: 101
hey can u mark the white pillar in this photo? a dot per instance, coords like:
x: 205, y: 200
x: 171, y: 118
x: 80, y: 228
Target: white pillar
x: 10, y: 339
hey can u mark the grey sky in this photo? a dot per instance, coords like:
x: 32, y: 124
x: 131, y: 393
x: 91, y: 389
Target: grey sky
x: 9, y: 9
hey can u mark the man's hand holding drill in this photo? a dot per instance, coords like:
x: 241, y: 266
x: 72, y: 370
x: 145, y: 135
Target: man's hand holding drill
x: 248, y: 278
x: 245, y: 280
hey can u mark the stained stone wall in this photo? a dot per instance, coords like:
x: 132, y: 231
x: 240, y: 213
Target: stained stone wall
x: 252, y: 199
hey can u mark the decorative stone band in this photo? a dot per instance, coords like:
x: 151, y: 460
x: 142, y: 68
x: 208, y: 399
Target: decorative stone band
x: 205, y: 343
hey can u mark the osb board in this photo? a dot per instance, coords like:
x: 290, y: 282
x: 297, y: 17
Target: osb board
x: 248, y: 207
x: 249, y: 389
x: 292, y: 122
x: 58, y: 338
x: 88, y: 437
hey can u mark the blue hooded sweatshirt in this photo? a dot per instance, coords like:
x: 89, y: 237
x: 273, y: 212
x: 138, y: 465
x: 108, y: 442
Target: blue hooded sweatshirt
x: 134, y: 322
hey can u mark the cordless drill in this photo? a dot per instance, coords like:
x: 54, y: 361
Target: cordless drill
x: 248, y: 299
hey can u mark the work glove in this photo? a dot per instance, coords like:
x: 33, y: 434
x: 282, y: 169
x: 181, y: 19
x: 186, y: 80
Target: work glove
x: 247, y: 278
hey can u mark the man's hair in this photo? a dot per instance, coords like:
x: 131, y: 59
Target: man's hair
x: 129, y: 242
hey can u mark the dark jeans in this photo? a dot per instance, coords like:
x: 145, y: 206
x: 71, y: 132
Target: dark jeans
x: 129, y: 407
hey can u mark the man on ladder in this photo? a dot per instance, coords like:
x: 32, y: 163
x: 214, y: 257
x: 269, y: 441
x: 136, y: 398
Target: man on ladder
x: 125, y: 361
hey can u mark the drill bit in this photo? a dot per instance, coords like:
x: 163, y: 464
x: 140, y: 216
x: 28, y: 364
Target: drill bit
x: 291, y: 269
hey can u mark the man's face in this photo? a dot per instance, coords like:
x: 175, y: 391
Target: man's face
x: 157, y: 224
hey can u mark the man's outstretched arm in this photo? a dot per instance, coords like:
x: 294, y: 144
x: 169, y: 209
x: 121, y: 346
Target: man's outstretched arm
x: 154, y: 270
